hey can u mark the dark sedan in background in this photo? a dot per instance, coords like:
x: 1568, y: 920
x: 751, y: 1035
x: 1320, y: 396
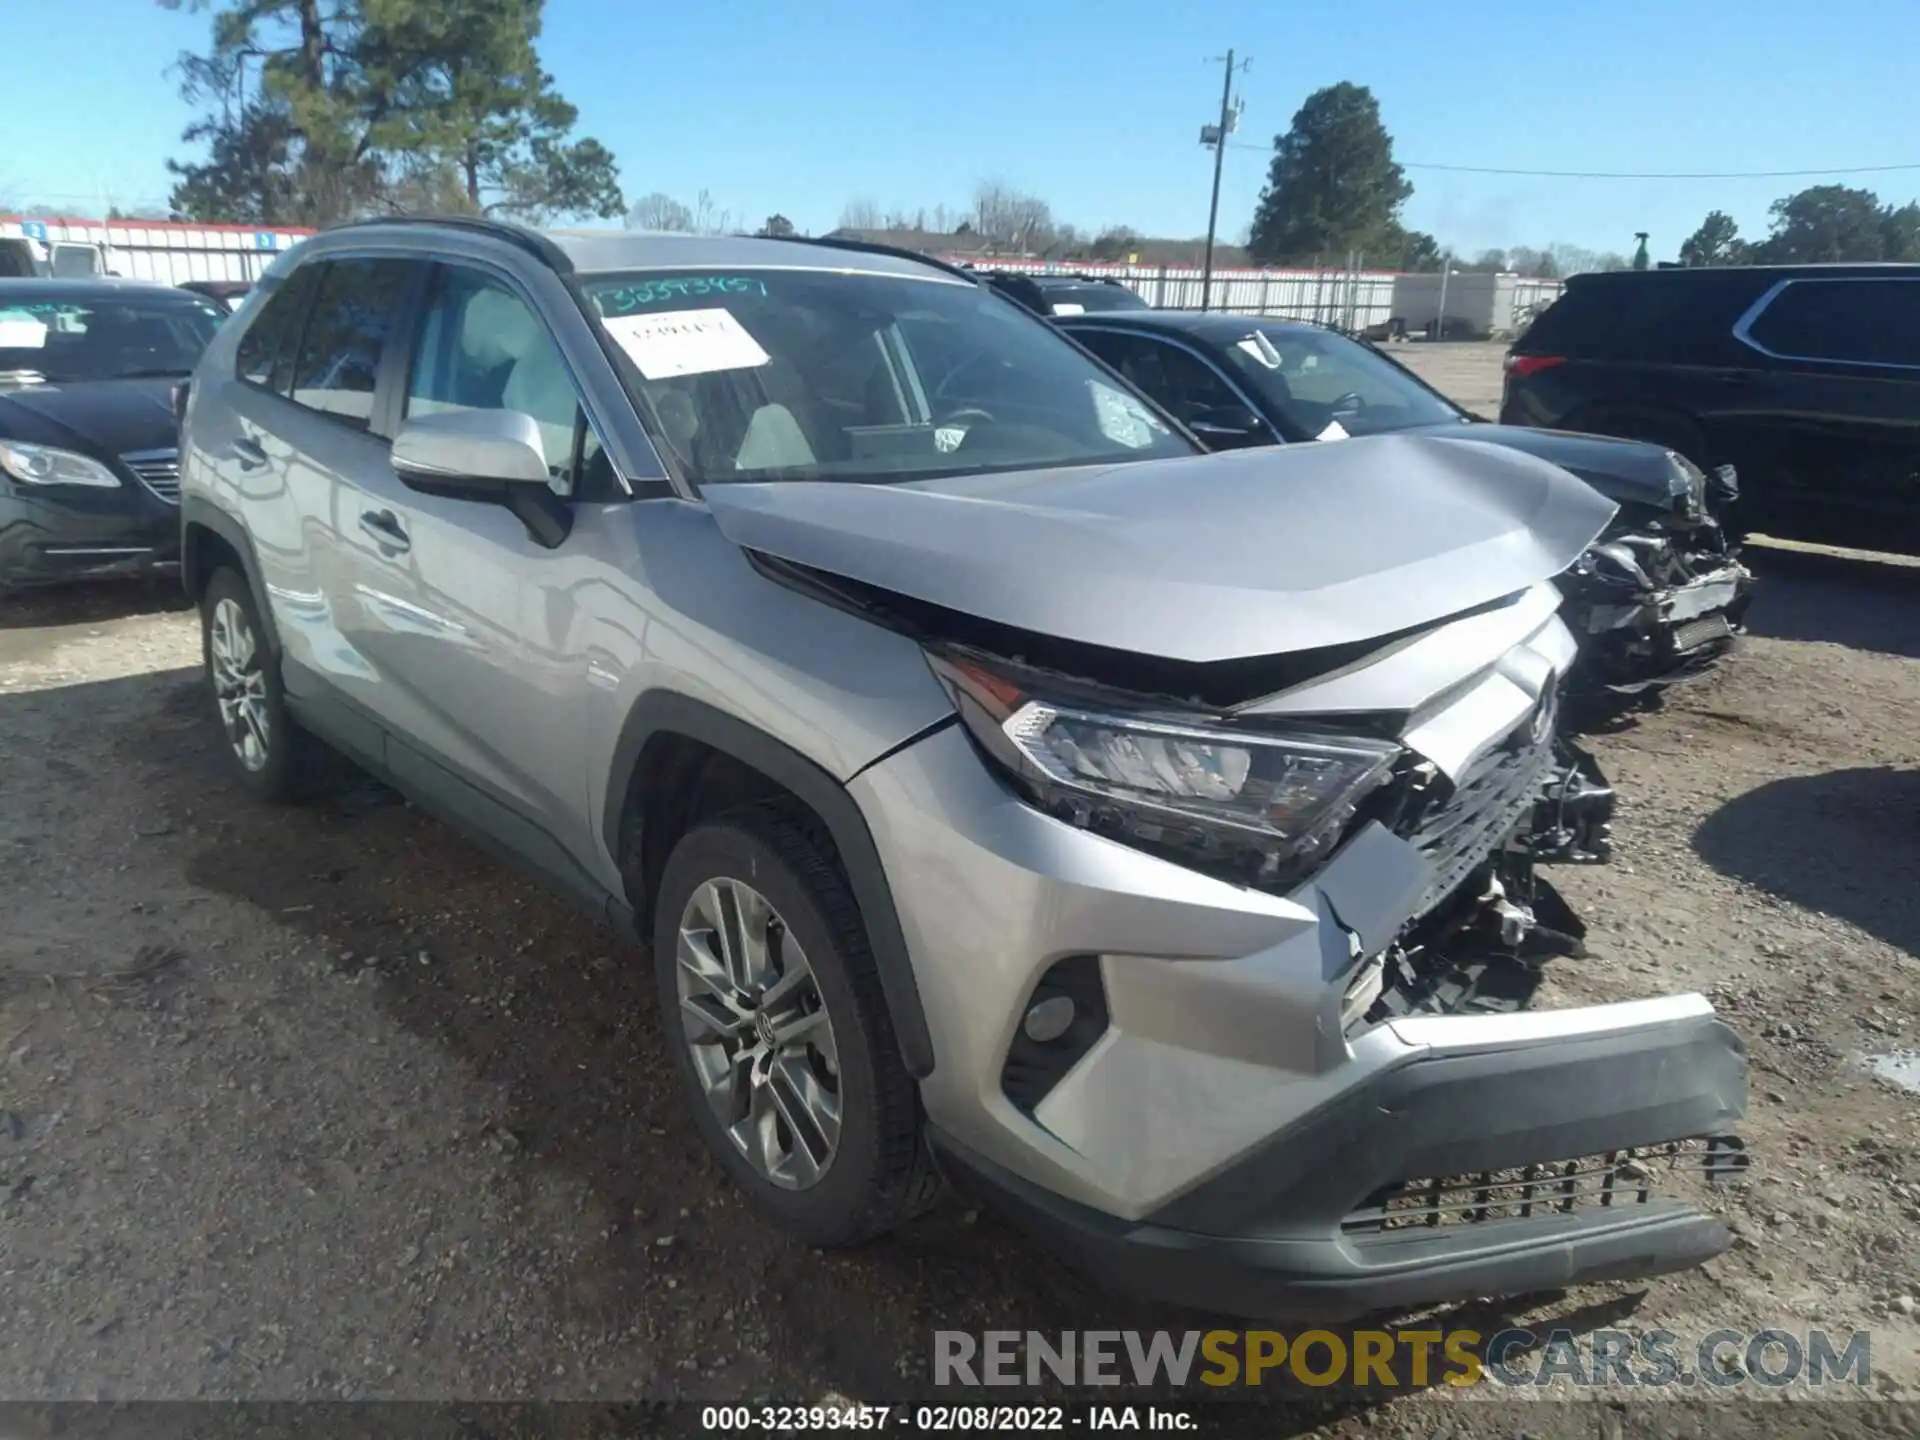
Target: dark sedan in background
x: 1658, y: 597
x: 89, y: 459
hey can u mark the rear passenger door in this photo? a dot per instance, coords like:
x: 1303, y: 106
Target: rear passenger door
x: 1836, y: 408
x: 295, y: 428
x: 331, y: 379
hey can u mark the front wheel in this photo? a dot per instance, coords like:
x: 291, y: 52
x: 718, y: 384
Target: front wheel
x: 772, y: 1007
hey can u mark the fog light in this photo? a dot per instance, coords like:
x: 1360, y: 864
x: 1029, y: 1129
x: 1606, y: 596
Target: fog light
x: 1050, y: 1019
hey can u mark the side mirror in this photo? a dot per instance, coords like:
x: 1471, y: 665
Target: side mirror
x: 1224, y: 426
x: 490, y: 456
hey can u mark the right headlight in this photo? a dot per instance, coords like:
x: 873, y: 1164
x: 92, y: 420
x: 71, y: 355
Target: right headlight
x: 1276, y: 800
x: 45, y: 465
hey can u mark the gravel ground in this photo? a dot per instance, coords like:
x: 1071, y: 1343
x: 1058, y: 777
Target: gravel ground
x: 324, y: 1103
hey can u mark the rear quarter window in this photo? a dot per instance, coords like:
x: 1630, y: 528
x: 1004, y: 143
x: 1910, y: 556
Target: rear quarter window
x: 1659, y: 317
x: 1844, y: 321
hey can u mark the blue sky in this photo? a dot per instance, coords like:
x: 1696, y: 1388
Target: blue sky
x: 1097, y: 106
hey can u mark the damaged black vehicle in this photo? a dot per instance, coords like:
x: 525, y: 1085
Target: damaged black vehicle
x: 1659, y: 597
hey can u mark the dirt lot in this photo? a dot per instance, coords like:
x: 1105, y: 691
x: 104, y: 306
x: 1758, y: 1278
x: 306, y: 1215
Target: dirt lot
x: 324, y: 1103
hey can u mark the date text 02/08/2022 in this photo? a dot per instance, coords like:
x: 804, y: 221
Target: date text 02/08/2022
x: 988, y: 1419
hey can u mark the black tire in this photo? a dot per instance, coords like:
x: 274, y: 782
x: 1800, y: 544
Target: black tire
x: 880, y: 1173
x: 289, y: 757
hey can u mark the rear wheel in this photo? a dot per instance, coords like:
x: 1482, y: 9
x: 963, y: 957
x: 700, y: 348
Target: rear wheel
x: 269, y: 753
x: 771, y: 1005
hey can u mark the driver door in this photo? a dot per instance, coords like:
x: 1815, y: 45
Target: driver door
x: 466, y: 618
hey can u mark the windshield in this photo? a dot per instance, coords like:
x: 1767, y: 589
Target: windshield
x: 113, y: 339
x: 1320, y: 381
x: 824, y: 375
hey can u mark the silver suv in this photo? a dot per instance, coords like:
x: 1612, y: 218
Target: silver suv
x: 1000, y: 784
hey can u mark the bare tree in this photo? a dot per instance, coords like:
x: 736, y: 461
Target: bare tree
x: 708, y: 217
x: 660, y: 212
x: 861, y: 214
x: 1010, y: 219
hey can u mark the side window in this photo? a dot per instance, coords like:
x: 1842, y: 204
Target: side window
x: 346, y: 331
x: 1178, y: 380
x: 1109, y: 347
x: 1865, y: 322
x: 482, y: 348
x: 275, y: 331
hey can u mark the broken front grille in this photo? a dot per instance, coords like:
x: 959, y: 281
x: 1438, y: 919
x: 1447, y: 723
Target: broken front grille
x: 159, y: 471
x: 1615, y: 1178
x: 1491, y: 798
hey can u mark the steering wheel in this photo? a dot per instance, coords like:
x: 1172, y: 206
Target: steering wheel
x: 1347, y: 404
x: 963, y: 421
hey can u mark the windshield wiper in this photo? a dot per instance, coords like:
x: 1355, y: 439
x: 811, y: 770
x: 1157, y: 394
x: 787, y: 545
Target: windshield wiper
x: 159, y: 372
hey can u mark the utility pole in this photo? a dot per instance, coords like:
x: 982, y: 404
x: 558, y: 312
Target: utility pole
x: 1216, y: 136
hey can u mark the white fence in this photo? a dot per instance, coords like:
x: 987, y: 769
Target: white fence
x: 157, y: 250
x: 1350, y: 299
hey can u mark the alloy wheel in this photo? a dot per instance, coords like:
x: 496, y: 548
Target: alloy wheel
x: 762, y: 1043
x: 239, y: 683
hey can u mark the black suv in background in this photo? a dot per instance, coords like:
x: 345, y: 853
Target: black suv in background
x: 1805, y: 378
x: 1053, y: 295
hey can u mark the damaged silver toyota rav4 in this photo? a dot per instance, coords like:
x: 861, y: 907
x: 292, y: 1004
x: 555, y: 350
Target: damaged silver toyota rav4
x: 1003, y: 787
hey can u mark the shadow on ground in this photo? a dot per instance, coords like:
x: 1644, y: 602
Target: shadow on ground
x: 1857, y: 600
x: 1846, y: 843
x: 91, y: 603
x: 551, y: 1010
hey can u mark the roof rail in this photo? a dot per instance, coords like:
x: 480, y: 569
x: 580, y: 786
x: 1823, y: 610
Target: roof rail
x: 531, y: 241
x: 874, y: 247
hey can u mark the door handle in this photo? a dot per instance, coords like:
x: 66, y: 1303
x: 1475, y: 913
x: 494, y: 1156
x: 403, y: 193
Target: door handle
x: 385, y: 529
x: 249, y: 453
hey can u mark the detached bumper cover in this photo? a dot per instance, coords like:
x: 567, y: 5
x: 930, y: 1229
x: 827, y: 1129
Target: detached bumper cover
x: 1275, y: 1235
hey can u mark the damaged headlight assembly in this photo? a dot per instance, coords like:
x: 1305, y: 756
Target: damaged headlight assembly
x: 1262, y: 805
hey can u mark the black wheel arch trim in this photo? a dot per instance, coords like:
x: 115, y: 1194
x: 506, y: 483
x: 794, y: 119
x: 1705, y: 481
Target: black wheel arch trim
x: 668, y: 712
x: 198, y: 513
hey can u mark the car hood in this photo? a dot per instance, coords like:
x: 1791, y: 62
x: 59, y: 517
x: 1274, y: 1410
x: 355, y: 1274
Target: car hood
x: 1632, y: 472
x: 1204, y: 558
x: 102, y: 417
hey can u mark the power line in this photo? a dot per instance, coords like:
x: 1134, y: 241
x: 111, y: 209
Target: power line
x: 1631, y: 174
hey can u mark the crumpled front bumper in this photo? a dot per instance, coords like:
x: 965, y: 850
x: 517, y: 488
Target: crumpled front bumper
x: 1230, y: 1115
x: 1653, y: 636
x: 1292, y: 1230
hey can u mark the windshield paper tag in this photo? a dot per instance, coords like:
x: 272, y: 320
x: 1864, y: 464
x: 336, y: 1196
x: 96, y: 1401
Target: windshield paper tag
x: 1067, y: 307
x: 685, y: 342
x: 1334, y: 431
